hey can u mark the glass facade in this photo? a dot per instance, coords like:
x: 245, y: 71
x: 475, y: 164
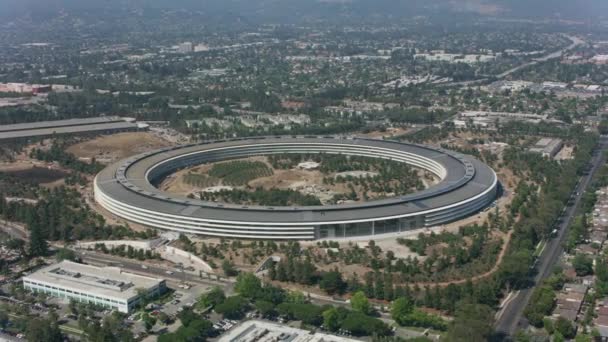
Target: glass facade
x: 337, y: 231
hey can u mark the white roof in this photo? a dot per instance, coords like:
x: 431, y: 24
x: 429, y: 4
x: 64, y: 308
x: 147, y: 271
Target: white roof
x: 103, y: 281
x: 259, y: 331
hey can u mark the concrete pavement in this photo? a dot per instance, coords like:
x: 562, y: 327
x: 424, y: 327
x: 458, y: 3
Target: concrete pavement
x: 135, y: 266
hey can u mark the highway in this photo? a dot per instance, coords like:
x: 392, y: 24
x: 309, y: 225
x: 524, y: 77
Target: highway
x: 575, y: 42
x: 511, y: 317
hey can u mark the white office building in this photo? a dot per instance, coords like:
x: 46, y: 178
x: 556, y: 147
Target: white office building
x: 262, y: 331
x: 109, y: 287
x: 186, y: 47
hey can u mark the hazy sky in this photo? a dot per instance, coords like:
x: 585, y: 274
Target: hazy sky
x: 565, y: 8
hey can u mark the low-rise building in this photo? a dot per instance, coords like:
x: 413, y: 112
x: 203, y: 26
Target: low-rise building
x: 108, y: 287
x: 547, y: 147
x: 261, y: 331
x: 22, y: 88
x: 84, y: 126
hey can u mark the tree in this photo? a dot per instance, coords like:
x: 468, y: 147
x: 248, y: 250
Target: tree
x: 332, y: 282
x: 197, y: 330
x: 187, y: 316
x: 16, y: 245
x: 38, y: 244
x: 65, y: 254
x: 233, y: 307
x: 164, y: 318
x: 359, y: 325
x: 565, y: 327
x: 39, y: 329
x: 359, y: 302
x: 248, y: 285
x: 3, y: 319
x: 307, y: 313
x: 471, y: 323
x: 229, y: 269
x: 296, y: 297
x: 541, y: 304
x: 265, y: 308
x: 583, y: 338
x: 603, y: 127
x: 514, y: 269
x: 211, y: 298
x: 331, y: 319
x: 401, y: 308
x: 149, y: 321
x: 583, y: 265
x: 273, y: 294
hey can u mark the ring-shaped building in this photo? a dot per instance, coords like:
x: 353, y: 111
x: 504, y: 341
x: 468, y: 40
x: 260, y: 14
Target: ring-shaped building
x: 128, y: 189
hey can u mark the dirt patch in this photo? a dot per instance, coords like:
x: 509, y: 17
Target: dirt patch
x: 289, y: 179
x: 110, y: 148
x: 566, y: 153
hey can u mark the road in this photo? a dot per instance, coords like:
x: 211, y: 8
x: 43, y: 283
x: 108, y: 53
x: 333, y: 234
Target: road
x: 14, y: 230
x: 575, y: 42
x: 135, y: 266
x: 511, y: 317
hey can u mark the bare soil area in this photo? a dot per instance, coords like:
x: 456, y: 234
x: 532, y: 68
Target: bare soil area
x: 110, y: 148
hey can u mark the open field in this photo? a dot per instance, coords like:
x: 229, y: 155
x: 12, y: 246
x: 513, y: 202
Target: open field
x: 110, y: 148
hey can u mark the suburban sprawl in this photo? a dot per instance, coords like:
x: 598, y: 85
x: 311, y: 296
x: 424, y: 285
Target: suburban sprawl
x: 323, y: 171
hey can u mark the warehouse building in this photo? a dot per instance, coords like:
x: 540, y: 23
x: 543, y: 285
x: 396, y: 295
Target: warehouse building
x: 108, y: 287
x: 547, y: 147
x: 44, y: 129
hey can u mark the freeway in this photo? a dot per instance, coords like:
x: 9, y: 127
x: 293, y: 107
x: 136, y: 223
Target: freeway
x: 511, y: 316
x: 575, y: 42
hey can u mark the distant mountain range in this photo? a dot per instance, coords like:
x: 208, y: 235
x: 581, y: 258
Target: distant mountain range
x: 295, y: 10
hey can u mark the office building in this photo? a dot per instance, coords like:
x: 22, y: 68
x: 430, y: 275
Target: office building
x: 547, y: 147
x: 186, y: 47
x: 108, y: 287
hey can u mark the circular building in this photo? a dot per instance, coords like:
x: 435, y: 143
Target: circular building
x: 127, y: 190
